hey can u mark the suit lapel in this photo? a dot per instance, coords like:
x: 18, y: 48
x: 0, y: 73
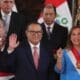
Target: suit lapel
x: 45, y: 35
x: 44, y: 29
x: 11, y: 25
x: 54, y: 30
x: 29, y: 54
x: 42, y: 59
x: 45, y: 32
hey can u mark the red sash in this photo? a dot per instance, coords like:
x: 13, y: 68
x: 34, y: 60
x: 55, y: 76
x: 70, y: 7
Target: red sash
x: 77, y: 56
x: 5, y: 74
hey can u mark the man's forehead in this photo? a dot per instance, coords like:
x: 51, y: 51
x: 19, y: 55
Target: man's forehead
x: 34, y: 26
x: 48, y: 10
x: 6, y: 0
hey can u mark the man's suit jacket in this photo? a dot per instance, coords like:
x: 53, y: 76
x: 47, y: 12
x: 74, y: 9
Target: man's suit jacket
x: 58, y: 37
x: 22, y: 59
x: 17, y: 25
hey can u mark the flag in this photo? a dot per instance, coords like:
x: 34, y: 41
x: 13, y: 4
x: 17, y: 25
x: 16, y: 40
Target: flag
x: 63, y: 13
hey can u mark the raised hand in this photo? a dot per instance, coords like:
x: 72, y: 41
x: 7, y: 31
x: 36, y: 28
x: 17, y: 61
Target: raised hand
x: 59, y: 53
x: 13, y: 43
x: 59, y: 58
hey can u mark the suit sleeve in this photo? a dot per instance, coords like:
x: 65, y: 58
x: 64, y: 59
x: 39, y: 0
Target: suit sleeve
x: 8, y: 61
x: 65, y: 36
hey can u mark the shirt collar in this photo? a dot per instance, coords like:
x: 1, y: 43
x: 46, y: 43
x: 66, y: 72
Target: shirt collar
x: 51, y: 26
x: 32, y: 45
x: 3, y: 14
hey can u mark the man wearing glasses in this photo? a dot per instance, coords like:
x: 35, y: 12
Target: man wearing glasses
x: 31, y: 59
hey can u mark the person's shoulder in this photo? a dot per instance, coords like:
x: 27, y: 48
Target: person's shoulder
x: 17, y: 14
x: 60, y: 26
x: 66, y: 50
x: 21, y: 48
x: 19, y: 17
x: 42, y: 24
x: 64, y: 28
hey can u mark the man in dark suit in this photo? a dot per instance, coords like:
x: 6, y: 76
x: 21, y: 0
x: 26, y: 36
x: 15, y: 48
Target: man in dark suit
x: 14, y: 22
x: 27, y: 67
x: 54, y: 35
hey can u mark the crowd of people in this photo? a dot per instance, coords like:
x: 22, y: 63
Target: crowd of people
x: 34, y: 51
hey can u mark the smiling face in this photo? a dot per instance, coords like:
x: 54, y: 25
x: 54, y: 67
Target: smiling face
x: 75, y: 37
x: 34, y: 33
x: 6, y: 5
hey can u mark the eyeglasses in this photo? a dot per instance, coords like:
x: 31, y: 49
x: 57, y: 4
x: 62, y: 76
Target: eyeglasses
x: 35, y: 32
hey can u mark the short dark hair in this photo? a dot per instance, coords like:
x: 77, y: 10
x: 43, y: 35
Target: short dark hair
x: 49, y: 6
x: 33, y: 22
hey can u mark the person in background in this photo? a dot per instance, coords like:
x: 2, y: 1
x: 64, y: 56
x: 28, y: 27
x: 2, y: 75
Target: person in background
x: 54, y: 35
x: 68, y: 60
x: 5, y: 73
x: 14, y: 22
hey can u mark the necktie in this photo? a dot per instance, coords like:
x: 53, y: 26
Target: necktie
x: 35, y: 57
x: 48, y: 31
x: 6, y: 22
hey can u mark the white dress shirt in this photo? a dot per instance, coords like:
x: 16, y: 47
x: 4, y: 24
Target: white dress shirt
x: 6, y: 19
x: 51, y: 27
x: 32, y: 46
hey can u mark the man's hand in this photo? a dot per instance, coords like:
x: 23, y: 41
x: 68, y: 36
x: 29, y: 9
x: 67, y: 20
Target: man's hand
x: 59, y: 55
x: 59, y: 59
x: 13, y: 43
